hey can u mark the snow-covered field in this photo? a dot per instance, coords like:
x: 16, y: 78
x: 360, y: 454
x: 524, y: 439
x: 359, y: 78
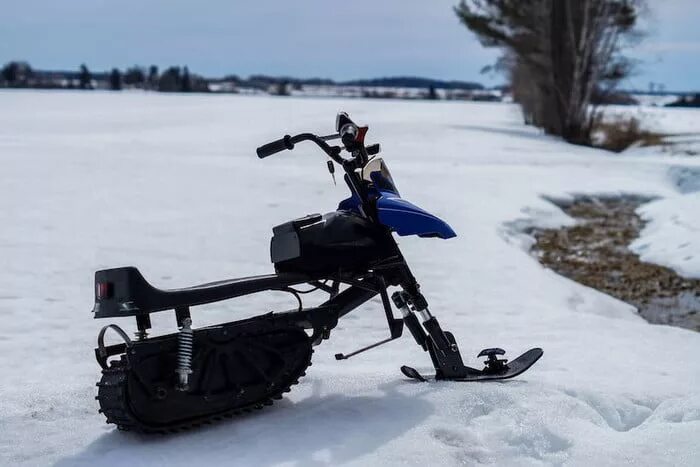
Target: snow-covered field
x: 172, y: 185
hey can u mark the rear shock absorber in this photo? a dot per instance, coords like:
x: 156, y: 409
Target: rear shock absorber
x: 185, y: 342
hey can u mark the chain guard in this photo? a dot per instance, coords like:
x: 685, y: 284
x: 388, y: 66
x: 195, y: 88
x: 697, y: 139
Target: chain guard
x: 237, y: 367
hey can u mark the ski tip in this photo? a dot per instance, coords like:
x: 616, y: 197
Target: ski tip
x: 532, y: 355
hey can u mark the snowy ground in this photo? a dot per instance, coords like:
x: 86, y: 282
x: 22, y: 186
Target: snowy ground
x: 171, y: 184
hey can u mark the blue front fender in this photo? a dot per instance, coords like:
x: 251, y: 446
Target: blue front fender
x: 406, y: 218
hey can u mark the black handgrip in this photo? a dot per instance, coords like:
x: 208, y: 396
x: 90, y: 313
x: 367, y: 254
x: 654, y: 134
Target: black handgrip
x: 274, y: 147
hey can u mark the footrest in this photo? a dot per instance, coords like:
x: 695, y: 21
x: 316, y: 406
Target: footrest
x: 491, y: 351
x: 493, y: 364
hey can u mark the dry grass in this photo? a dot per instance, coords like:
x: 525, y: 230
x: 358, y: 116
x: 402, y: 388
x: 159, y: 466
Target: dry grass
x: 621, y: 133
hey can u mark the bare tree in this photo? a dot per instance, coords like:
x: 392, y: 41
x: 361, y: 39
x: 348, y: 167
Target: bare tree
x: 559, y: 54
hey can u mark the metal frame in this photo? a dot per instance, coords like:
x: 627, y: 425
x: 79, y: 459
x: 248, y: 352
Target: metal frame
x: 125, y: 292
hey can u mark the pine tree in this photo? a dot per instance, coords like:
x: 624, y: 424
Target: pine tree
x: 170, y: 80
x: 16, y: 74
x: 85, y: 77
x: 153, y: 77
x: 115, y: 80
x: 134, y: 76
x: 432, y: 93
x: 9, y: 73
x: 186, y: 85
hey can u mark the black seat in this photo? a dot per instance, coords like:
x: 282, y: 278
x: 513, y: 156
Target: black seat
x: 125, y: 292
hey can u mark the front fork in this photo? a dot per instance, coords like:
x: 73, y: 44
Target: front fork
x: 441, y: 345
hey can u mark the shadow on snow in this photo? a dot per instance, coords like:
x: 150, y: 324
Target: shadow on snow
x: 318, y: 430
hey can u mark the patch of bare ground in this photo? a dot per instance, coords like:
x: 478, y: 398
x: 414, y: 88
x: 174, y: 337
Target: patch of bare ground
x: 595, y: 253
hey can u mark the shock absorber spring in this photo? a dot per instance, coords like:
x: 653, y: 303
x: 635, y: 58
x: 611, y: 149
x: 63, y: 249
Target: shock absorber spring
x: 185, y: 341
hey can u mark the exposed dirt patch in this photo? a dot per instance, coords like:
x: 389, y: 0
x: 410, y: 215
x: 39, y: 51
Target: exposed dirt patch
x: 595, y: 253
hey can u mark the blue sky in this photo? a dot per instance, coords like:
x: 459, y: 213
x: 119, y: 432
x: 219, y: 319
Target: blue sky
x: 304, y: 38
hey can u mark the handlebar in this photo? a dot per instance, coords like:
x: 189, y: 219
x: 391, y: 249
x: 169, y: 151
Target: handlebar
x: 288, y: 142
x: 274, y: 147
x: 348, y: 132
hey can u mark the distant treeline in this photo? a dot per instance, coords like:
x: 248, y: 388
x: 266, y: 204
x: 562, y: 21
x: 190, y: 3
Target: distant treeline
x: 692, y: 100
x: 413, y: 82
x: 19, y: 74
x: 173, y: 79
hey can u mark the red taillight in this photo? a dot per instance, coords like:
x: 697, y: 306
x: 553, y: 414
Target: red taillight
x: 104, y: 290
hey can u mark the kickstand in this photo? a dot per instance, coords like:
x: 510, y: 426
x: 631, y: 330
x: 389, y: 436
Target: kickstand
x: 395, y: 326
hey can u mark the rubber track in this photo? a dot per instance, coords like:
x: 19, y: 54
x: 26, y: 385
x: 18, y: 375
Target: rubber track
x: 114, y: 403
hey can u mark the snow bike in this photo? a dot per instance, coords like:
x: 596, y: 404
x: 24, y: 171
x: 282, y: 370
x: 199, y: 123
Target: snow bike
x: 172, y: 382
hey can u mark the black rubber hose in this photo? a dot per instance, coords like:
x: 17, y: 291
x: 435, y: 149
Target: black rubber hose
x: 275, y: 146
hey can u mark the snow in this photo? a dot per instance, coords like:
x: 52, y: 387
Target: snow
x: 672, y: 237
x: 170, y: 183
x: 675, y: 121
x: 672, y: 234
x: 677, y: 126
x: 655, y: 100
